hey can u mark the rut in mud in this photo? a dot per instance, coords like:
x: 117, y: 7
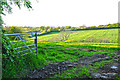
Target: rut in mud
x: 108, y: 71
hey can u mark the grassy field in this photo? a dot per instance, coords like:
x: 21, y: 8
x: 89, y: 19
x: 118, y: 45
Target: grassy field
x: 79, y: 45
x: 93, y: 39
x: 50, y: 53
x: 94, y: 36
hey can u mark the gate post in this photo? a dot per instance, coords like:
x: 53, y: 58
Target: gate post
x: 36, y: 41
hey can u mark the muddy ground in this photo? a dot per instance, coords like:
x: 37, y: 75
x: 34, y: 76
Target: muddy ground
x: 109, y: 71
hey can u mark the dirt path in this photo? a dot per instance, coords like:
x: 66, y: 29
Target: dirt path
x: 89, y: 50
x: 58, y: 67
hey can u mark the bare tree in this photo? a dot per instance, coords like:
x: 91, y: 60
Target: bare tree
x: 64, y: 35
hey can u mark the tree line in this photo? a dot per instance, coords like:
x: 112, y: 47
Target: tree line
x: 45, y: 29
x: 48, y: 29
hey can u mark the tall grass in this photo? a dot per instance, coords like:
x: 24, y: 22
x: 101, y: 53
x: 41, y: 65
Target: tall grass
x: 19, y: 66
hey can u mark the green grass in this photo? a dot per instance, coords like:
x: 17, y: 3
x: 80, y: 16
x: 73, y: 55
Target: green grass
x: 92, y: 39
x: 101, y: 64
x: 54, y: 51
x: 118, y: 77
x: 82, y: 70
x: 78, y: 72
x: 48, y: 53
x: 94, y: 36
x: 97, y: 46
x: 22, y: 66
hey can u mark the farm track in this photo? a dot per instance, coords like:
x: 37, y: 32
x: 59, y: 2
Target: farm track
x: 89, y: 50
x: 58, y: 67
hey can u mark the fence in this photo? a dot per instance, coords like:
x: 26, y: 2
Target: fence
x: 19, y: 39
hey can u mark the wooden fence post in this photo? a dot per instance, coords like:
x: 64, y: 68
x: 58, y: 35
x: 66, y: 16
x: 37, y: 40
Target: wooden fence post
x: 36, y: 41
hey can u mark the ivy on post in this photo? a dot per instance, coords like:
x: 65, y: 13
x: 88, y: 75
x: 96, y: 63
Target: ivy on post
x: 36, y: 41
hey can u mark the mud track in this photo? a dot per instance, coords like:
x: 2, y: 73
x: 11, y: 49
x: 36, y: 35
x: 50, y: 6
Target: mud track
x: 58, y: 67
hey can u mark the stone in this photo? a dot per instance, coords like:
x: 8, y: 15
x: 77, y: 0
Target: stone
x: 62, y: 63
x: 70, y: 65
x: 96, y: 75
x: 114, y: 67
x: 103, y: 76
x: 75, y: 63
x: 46, y: 71
x: 109, y: 74
x: 58, y: 68
x: 51, y: 73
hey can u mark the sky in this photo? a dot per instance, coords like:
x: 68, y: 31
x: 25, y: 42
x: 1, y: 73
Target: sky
x: 64, y: 13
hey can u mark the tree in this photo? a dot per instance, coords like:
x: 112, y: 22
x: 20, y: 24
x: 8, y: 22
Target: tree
x: 13, y: 29
x: 8, y: 55
x: 42, y: 28
x: 67, y: 27
x: 82, y: 27
x: 73, y: 28
x: 58, y: 27
x: 54, y: 29
x: 100, y: 26
x: 50, y: 29
x: 62, y: 28
x: 91, y: 27
x: 46, y: 28
x: 64, y: 35
x: 5, y: 5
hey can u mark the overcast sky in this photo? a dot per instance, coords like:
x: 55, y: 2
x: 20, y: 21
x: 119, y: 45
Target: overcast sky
x: 65, y: 13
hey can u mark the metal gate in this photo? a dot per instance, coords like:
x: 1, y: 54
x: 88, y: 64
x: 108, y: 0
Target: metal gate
x: 19, y: 39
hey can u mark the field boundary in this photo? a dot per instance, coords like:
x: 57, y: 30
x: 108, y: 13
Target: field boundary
x: 19, y: 39
x: 98, y: 28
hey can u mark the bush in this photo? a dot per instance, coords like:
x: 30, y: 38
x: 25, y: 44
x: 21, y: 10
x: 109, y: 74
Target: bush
x: 13, y: 30
x: 8, y: 57
x: 15, y: 65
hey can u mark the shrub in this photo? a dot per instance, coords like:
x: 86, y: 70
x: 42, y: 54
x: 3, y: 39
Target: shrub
x: 15, y: 65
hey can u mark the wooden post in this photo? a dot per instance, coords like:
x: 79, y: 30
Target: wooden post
x: 36, y: 41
